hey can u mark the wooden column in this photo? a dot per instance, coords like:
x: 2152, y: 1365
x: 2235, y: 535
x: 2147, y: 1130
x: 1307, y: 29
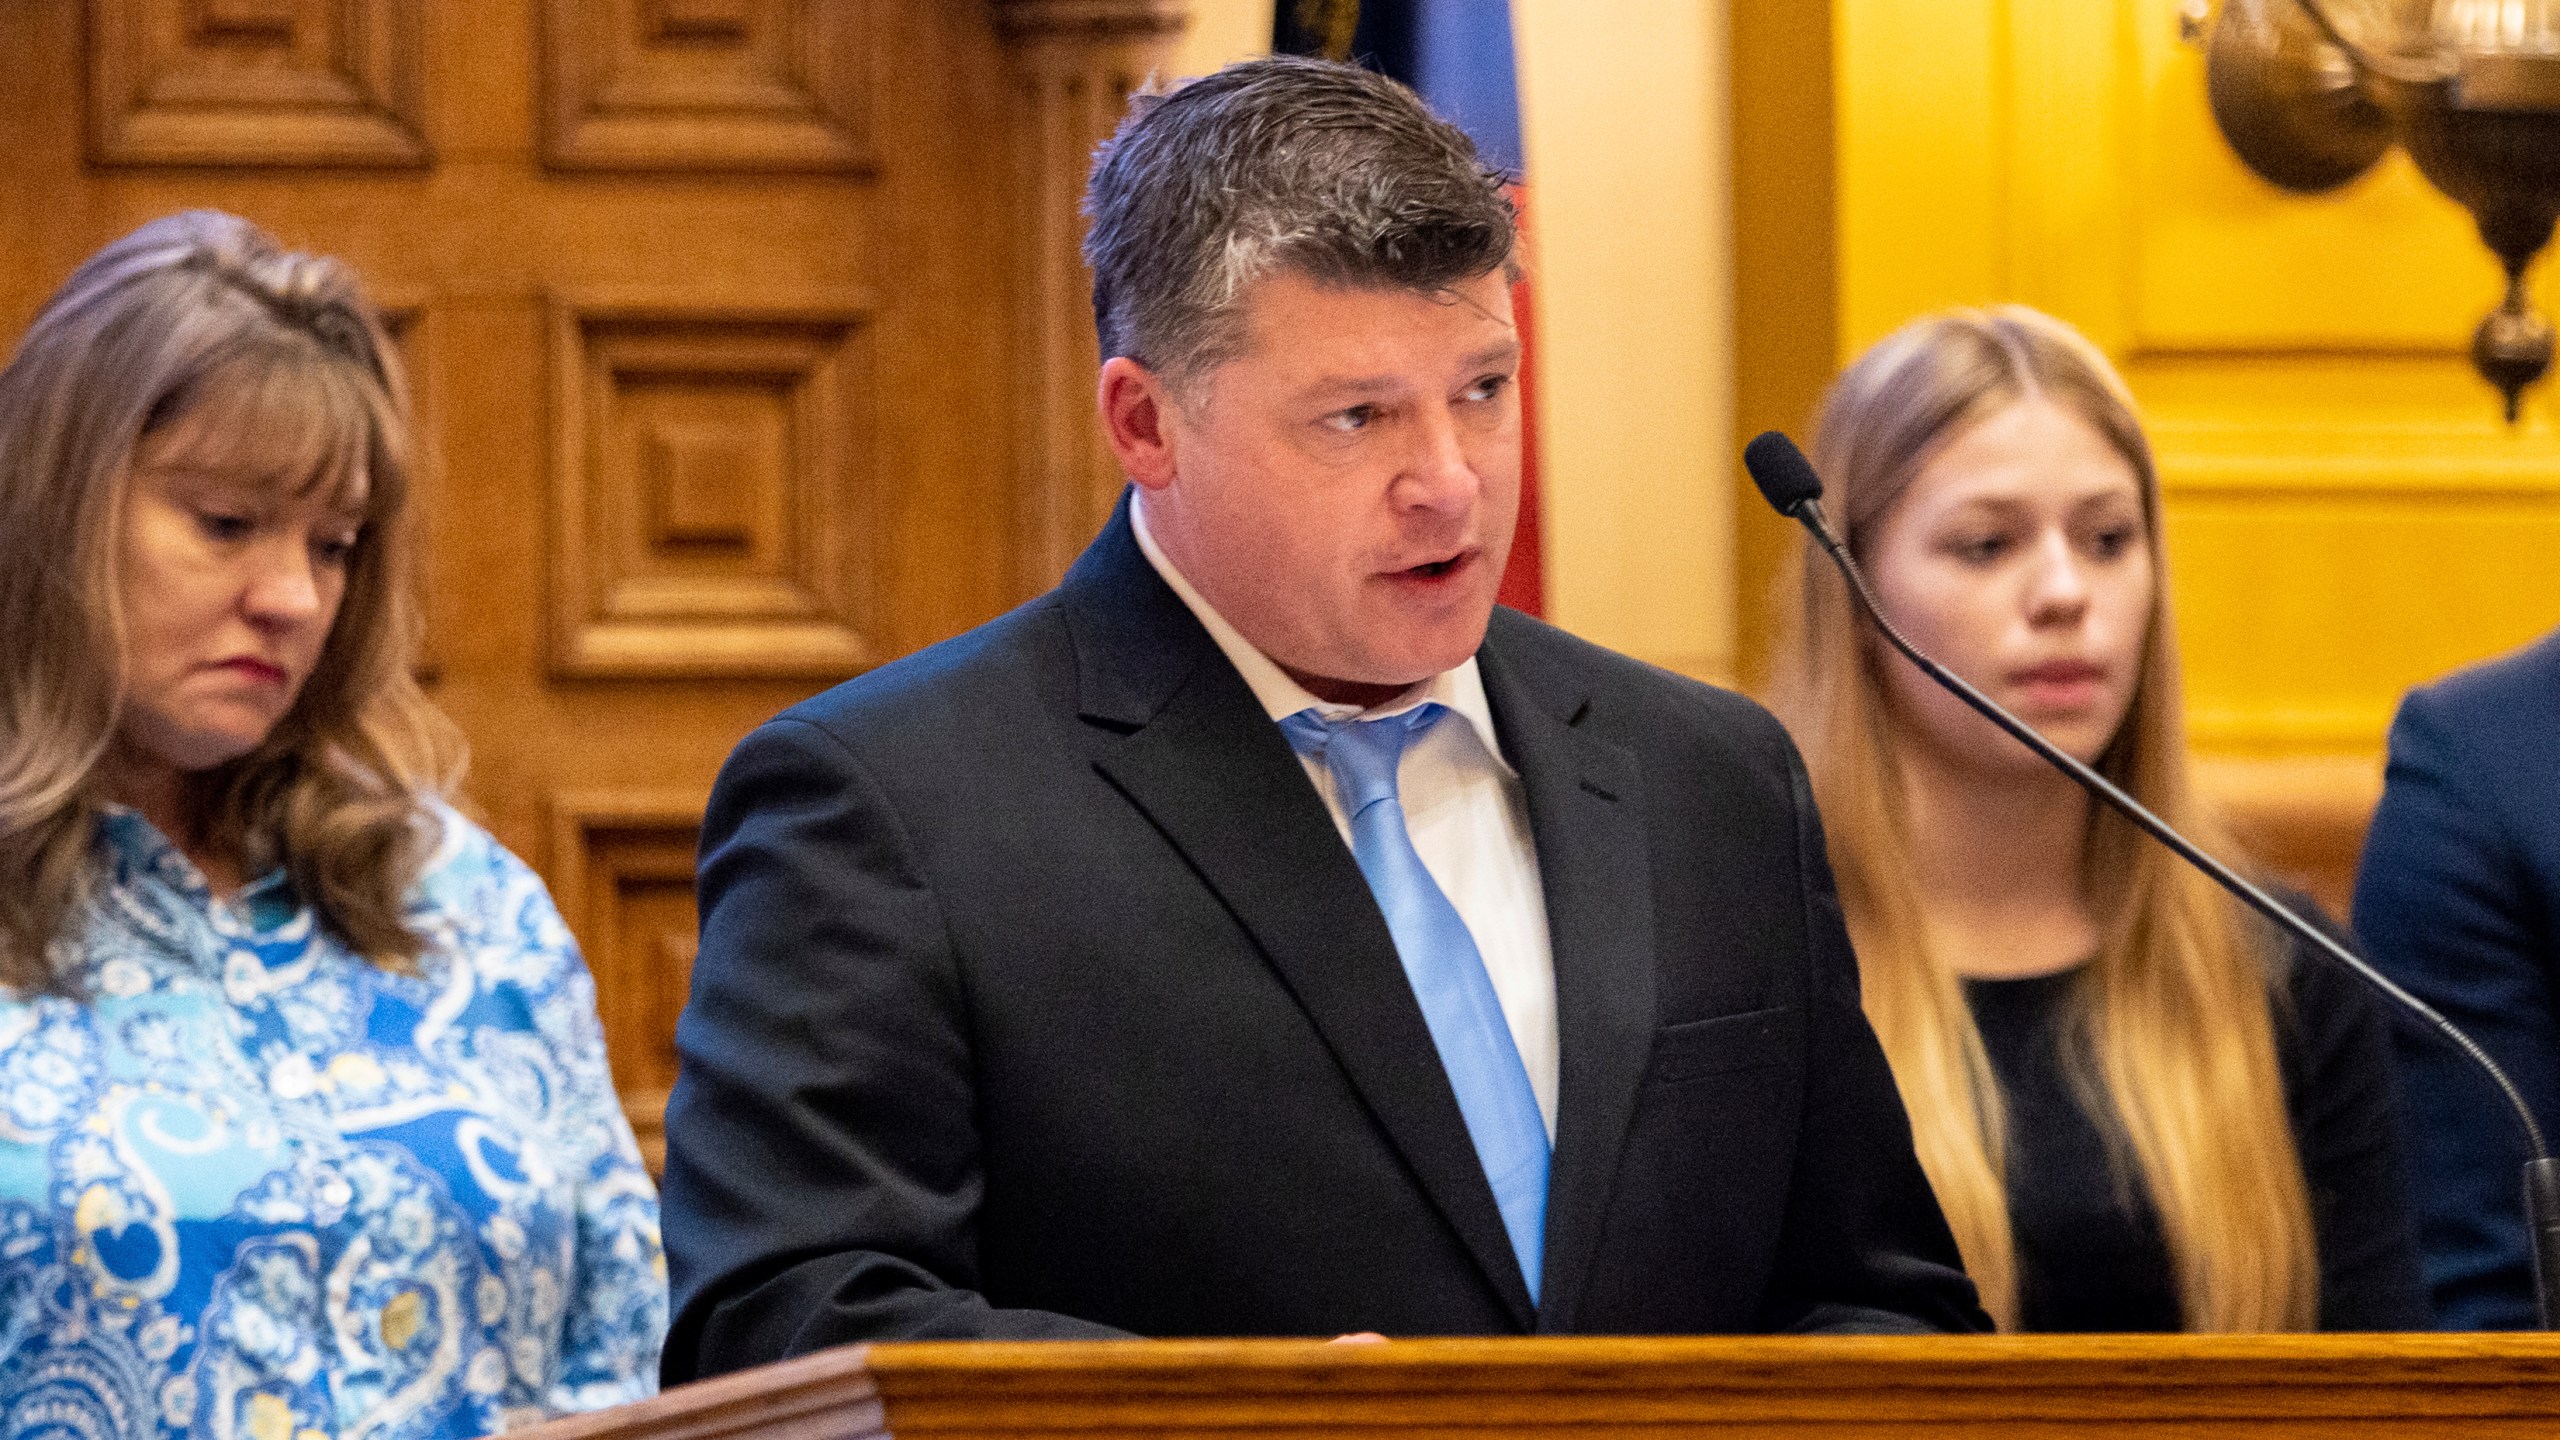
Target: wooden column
x: 1076, y: 64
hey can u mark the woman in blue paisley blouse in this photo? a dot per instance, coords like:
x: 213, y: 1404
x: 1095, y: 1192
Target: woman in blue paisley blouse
x: 305, y: 1125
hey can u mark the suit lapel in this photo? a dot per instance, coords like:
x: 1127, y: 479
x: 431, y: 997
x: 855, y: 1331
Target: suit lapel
x: 1208, y: 767
x: 1586, y: 811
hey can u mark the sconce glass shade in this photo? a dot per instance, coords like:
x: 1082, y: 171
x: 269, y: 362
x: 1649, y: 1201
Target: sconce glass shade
x: 2499, y: 27
x: 2505, y: 54
x: 2310, y: 92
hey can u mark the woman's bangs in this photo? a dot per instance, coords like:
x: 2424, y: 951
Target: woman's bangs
x: 283, y: 420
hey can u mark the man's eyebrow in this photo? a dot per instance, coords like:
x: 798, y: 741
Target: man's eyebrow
x: 1500, y: 353
x: 1331, y: 386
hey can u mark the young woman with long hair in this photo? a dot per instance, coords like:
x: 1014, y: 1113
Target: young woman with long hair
x: 305, y: 1124
x: 2140, y: 1109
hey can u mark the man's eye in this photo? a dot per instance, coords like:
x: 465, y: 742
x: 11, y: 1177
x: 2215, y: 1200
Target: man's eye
x: 1487, y: 387
x: 1353, y: 420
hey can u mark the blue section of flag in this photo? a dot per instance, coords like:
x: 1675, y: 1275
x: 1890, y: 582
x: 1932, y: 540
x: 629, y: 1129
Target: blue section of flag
x: 1456, y: 53
x: 1464, y: 68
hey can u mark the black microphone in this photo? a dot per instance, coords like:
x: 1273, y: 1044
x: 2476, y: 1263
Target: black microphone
x: 1788, y: 482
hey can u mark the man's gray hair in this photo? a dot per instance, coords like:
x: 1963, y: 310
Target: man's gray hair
x: 1330, y: 170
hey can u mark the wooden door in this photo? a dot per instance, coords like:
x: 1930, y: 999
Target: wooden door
x: 710, y: 307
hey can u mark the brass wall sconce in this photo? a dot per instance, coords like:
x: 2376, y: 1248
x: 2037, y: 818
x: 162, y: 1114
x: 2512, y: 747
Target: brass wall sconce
x: 2311, y: 93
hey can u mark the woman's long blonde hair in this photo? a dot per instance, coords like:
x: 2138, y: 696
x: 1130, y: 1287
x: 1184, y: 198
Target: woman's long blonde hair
x: 2177, y: 1054
x: 202, y: 315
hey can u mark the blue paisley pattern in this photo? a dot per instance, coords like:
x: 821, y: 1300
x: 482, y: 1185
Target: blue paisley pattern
x: 254, y: 1187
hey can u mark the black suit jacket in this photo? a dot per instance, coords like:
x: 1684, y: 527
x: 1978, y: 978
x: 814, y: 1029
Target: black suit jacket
x: 2459, y: 900
x: 1039, y: 996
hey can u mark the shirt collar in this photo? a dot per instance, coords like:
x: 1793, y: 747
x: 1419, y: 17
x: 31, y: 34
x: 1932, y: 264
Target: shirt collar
x: 140, y: 849
x: 1460, y: 688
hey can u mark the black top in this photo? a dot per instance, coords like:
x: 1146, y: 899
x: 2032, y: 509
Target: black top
x: 2090, y: 1253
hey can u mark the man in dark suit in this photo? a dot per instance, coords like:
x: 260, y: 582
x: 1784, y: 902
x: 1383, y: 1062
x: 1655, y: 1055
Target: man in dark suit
x: 2458, y: 898
x: 1260, y: 934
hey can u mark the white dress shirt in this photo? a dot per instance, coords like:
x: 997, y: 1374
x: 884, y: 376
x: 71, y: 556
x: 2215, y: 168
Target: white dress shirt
x: 1464, y: 807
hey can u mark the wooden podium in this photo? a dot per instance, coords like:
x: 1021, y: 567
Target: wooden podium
x: 2048, y: 1387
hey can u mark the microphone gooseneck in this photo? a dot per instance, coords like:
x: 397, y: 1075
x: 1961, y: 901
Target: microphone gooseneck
x: 1789, y: 483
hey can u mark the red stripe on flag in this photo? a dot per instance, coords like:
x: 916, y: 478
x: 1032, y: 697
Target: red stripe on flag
x: 1524, y: 581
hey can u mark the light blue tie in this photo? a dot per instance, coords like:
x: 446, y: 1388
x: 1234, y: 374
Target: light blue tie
x: 1442, y: 965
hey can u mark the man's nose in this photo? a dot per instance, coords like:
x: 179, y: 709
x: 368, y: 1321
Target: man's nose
x: 1440, y: 472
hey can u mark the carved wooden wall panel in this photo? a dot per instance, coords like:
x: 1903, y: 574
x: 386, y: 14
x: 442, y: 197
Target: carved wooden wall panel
x: 671, y: 479
x: 705, y: 85
x: 622, y: 872
x: 712, y: 498
x: 256, y: 82
x: 1076, y: 62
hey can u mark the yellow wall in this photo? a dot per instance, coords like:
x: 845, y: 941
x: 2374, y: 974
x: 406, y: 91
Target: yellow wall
x: 2347, y: 515
x: 1222, y: 31
x: 1631, y: 263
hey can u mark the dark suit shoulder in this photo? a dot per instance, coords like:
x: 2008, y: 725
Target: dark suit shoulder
x: 948, y: 679
x: 2514, y: 692
x: 2484, y: 734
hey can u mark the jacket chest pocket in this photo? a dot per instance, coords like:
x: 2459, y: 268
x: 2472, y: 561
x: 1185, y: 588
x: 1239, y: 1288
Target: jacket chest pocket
x: 1725, y: 1043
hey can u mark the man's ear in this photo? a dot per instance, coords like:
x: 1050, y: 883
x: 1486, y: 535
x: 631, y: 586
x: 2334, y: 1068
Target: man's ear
x: 1138, y: 421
